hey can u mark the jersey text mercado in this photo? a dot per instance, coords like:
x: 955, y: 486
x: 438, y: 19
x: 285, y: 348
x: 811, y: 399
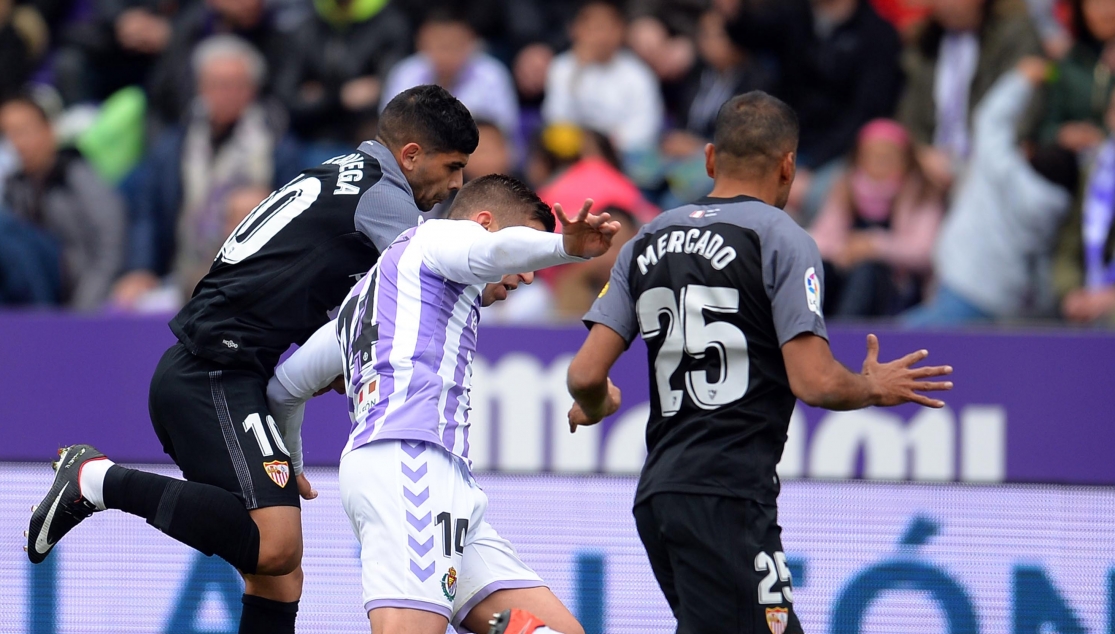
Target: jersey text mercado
x: 715, y: 289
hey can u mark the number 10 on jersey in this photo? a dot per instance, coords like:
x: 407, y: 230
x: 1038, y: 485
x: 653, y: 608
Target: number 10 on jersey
x: 686, y: 332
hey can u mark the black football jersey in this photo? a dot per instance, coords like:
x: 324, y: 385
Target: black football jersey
x: 715, y: 289
x: 295, y: 257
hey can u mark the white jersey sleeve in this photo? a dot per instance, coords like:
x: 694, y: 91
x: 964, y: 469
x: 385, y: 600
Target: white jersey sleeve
x: 311, y: 368
x: 465, y: 252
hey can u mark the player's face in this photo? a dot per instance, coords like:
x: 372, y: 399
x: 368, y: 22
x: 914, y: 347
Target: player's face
x: 498, y: 292
x: 435, y: 176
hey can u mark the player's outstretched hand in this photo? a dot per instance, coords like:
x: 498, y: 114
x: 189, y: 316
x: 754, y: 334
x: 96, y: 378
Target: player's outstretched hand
x: 578, y: 417
x: 898, y: 382
x: 586, y: 236
x: 304, y: 489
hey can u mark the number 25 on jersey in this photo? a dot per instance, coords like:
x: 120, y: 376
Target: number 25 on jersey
x: 686, y: 332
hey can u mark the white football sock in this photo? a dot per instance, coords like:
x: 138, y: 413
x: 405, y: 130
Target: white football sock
x: 92, y: 481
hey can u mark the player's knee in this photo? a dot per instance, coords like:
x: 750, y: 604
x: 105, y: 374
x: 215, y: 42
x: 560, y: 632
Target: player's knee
x: 279, y: 557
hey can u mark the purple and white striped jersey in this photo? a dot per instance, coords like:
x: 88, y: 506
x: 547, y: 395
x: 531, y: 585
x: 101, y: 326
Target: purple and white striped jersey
x: 409, y: 347
x: 406, y: 335
x: 408, y: 329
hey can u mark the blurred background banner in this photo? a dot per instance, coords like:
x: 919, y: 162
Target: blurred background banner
x: 866, y: 558
x: 1028, y: 406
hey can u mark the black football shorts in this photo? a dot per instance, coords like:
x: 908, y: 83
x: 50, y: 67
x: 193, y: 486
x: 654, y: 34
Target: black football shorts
x: 719, y: 561
x: 213, y: 422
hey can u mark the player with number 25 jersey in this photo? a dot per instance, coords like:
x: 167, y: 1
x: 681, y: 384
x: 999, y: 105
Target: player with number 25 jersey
x: 727, y: 294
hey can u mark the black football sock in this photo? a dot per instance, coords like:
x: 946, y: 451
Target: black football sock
x: 202, y: 516
x: 264, y: 616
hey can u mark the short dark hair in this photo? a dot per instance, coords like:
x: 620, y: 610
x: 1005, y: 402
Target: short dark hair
x: 506, y: 197
x: 447, y: 13
x: 756, y: 130
x: 431, y: 117
x: 616, y: 6
x: 1058, y: 166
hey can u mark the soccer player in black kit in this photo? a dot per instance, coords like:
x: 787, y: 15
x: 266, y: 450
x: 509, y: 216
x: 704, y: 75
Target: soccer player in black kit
x: 275, y: 281
x: 726, y: 292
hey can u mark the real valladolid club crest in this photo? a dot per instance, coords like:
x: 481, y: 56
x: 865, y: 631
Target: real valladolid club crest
x: 278, y: 471
x: 778, y: 619
x: 449, y: 584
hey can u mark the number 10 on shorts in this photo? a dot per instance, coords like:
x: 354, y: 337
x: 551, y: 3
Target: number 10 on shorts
x: 452, y: 540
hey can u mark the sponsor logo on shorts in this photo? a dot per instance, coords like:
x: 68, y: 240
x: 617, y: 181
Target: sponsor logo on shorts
x: 278, y: 471
x: 778, y: 619
x: 449, y: 584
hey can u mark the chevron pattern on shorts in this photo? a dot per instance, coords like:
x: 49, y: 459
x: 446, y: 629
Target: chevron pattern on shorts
x: 416, y: 495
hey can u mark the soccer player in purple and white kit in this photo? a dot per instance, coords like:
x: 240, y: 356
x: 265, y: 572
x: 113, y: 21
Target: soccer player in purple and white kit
x: 405, y: 340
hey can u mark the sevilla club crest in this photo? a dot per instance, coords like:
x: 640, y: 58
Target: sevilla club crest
x: 778, y: 619
x: 278, y: 471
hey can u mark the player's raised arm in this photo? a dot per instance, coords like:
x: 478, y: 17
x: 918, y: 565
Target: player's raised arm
x: 820, y: 380
x: 497, y: 239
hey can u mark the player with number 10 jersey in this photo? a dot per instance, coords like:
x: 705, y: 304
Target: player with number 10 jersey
x: 277, y: 278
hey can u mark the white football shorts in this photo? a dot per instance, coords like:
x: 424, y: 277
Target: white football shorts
x: 424, y: 542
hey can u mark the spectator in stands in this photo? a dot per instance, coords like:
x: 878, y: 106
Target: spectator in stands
x: 1084, y: 270
x: 493, y: 155
x: 576, y: 286
x: 1077, y: 98
x: 116, y: 47
x: 877, y: 228
x: 449, y: 55
x: 599, y: 85
x: 725, y: 69
x: 569, y: 163
x: 964, y: 47
x: 532, y: 58
x: 57, y: 194
x: 171, y: 86
x: 664, y: 33
x: 22, y: 43
x: 333, y: 79
x: 231, y: 140
x: 839, y: 69
x: 993, y: 254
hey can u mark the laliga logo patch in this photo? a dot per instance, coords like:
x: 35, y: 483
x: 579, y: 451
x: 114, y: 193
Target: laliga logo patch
x: 813, y: 291
x: 778, y: 619
x: 278, y: 471
x: 449, y: 584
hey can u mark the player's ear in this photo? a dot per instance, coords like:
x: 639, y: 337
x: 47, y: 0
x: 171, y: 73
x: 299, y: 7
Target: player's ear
x: 789, y: 167
x: 710, y: 160
x: 485, y: 219
x: 409, y: 155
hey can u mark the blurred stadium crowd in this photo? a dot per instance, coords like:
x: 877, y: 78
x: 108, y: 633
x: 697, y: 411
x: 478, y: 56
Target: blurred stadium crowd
x: 956, y: 164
